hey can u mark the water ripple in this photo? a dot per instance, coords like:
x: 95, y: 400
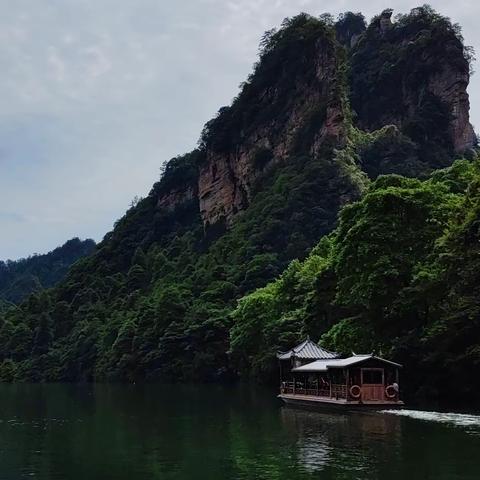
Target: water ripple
x: 458, y: 419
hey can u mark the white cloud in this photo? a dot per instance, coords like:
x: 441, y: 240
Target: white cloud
x: 97, y: 94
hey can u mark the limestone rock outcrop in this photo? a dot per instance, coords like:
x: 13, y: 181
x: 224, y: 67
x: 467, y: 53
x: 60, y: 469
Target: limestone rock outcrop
x: 312, y: 116
x: 411, y: 73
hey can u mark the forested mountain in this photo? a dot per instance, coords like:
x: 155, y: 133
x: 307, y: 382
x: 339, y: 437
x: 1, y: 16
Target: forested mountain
x: 399, y: 276
x: 20, y: 278
x: 341, y: 140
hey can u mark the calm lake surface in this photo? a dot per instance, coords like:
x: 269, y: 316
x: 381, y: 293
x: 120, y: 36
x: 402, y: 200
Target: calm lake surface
x: 212, y: 432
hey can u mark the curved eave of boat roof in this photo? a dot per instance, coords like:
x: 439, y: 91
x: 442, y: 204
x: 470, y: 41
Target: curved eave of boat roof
x: 307, y: 350
x: 324, y: 365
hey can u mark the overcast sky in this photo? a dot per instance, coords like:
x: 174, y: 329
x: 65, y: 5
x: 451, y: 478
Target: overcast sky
x: 96, y: 94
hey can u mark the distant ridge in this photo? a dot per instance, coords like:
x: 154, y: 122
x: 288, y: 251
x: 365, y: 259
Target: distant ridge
x: 20, y: 278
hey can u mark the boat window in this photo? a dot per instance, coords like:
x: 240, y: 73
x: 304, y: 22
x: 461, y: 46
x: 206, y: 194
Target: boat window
x: 372, y: 376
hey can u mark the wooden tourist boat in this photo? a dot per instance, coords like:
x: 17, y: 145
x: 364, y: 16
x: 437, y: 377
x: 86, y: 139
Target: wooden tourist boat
x: 312, y: 376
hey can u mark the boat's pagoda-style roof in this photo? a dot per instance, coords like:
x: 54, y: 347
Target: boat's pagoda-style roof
x: 323, y: 365
x: 307, y: 350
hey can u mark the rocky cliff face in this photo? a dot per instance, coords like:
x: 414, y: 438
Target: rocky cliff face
x: 450, y: 86
x: 170, y: 200
x: 227, y: 178
x: 412, y: 72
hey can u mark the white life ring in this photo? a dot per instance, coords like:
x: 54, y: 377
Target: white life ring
x: 390, y: 392
x: 355, y: 391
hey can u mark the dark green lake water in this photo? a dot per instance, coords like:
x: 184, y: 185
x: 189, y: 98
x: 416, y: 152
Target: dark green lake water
x: 211, y: 432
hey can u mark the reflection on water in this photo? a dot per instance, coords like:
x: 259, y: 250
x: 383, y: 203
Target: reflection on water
x: 210, y: 432
x: 343, y: 440
x: 313, y: 447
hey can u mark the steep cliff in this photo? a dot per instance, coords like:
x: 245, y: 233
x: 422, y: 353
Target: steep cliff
x: 268, y: 179
x: 297, y: 111
x: 413, y: 73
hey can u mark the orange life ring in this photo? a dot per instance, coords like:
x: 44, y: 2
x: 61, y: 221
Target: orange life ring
x: 390, y: 392
x: 355, y: 391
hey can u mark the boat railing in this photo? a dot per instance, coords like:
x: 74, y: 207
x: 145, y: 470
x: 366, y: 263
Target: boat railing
x: 339, y: 391
x: 335, y: 391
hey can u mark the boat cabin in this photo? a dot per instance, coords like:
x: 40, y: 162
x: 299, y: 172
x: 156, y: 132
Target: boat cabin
x: 358, y: 380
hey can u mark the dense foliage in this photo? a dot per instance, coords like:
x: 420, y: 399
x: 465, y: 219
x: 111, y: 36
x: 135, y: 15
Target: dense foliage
x: 19, y: 278
x: 399, y: 276
x: 162, y: 297
x: 165, y: 313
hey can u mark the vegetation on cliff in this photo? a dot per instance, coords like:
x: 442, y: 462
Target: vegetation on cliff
x: 397, y: 277
x: 166, y: 312
x: 397, y: 73
x: 163, y: 297
x: 285, y: 64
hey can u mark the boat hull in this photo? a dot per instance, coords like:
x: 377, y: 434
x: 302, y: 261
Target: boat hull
x: 342, y: 404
